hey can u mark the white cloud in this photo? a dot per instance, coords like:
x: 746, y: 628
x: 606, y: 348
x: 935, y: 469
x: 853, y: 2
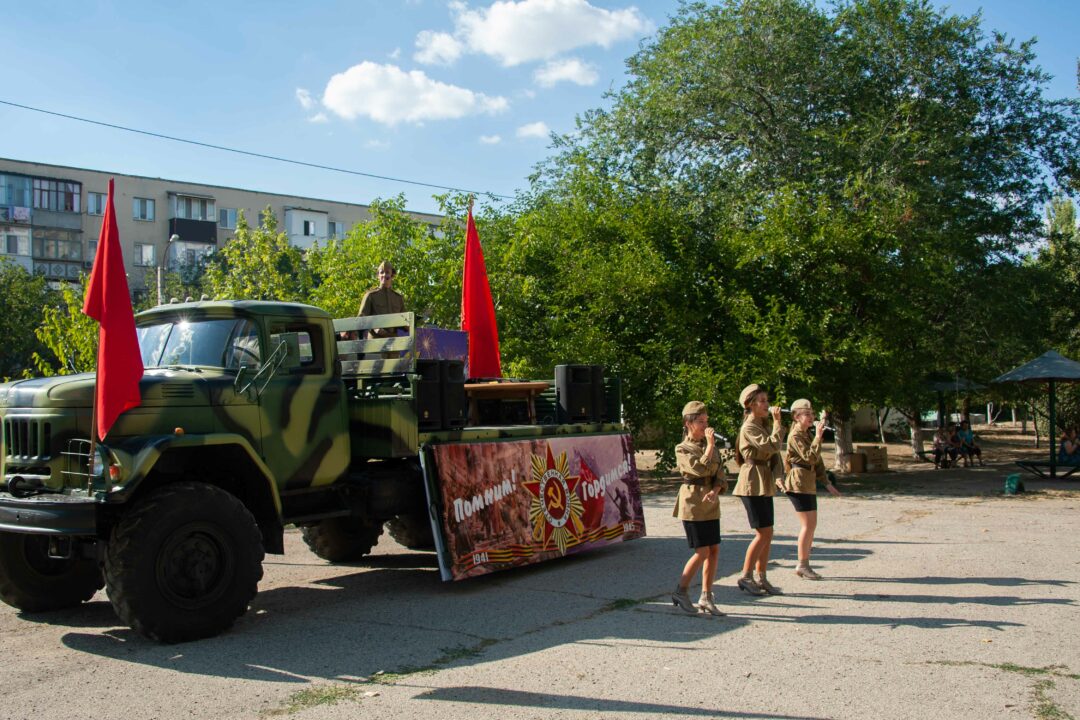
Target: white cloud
x: 526, y: 30
x: 394, y: 54
x: 377, y: 144
x: 319, y: 118
x: 437, y: 48
x: 490, y: 139
x: 570, y: 70
x: 537, y: 129
x: 304, y: 98
x: 389, y: 95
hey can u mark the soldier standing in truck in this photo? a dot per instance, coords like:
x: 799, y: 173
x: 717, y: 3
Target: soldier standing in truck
x: 382, y: 300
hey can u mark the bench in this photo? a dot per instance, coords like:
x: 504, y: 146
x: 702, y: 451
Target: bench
x: 1046, y: 471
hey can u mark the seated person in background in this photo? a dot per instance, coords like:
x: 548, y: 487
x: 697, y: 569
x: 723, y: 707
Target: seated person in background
x: 958, y: 446
x: 1069, y: 448
x: 968, y: 448
x: 944, y: 452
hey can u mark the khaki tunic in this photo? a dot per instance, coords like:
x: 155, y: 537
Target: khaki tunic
x: 700, y: 475
x: 761, y: 451
x: 381, y: 301
x: 804, y: 458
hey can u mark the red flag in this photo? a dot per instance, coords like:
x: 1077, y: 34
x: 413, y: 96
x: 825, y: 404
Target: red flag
x: 478, y: 310
x: 119, y: 366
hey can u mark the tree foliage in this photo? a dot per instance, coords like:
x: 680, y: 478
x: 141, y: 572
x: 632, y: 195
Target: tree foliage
x: 259, y: 264
x: 70, y: 337
x: 22, y: 296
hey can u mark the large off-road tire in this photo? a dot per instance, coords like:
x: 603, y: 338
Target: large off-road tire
x: 184, y: 563
x: 342, y: 539
x: 412, y: 531
x: 33, y: 582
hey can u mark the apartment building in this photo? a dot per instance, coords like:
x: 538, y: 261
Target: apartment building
x: 50, y: 218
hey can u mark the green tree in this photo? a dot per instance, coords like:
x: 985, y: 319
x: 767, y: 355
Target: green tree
x: 842, y: 172
x: 22, y: 296
x: 69, y: 336
x: 259, y: 264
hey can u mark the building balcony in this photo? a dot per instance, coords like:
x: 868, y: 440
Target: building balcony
x: 200, y: 231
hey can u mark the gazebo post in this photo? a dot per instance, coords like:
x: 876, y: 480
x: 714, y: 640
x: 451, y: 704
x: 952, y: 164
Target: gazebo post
x: 1052, y: 440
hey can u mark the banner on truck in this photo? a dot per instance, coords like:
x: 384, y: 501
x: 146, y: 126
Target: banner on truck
x: 509, y: 503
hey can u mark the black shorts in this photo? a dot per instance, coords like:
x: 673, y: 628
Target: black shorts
x: 803, y: 502
x: 759, y: 510
x: 702, y: 533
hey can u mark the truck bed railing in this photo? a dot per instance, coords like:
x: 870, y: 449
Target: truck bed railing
x: 377, y: 356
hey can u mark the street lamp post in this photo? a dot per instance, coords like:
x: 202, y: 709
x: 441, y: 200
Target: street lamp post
x: 161, y: 269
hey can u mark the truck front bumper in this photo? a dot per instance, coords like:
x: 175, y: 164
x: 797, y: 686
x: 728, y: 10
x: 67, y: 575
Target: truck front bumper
x: 49, y: 514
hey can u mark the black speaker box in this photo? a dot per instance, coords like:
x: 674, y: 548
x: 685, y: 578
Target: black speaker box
x: 613, y: 399
x: 574, y: 391
x: 455, y: 406
x: 429, y: 406
x: 599, y: 401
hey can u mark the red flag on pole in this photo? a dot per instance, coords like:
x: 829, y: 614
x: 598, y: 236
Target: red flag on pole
x: 478, y: 309
x: 119, y: 366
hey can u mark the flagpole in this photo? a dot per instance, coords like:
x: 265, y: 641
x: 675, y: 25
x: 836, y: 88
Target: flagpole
x: 93, y: 440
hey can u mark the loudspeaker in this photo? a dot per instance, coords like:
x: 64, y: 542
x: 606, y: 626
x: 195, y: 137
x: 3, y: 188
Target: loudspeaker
x: 574, y: 392
x: 429, y: 395
x: 613, y: 399
x: 454, y: 404
x: 598, y: 400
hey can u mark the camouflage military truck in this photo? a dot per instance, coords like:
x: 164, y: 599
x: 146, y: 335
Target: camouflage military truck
x: 253, y: 417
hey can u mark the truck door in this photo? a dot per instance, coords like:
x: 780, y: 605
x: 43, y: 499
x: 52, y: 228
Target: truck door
x: 305, y: 426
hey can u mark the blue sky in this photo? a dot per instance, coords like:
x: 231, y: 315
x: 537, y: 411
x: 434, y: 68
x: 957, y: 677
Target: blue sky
x: 455, y: 93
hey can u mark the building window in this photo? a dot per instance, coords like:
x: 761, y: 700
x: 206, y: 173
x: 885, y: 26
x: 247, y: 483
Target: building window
x: 57, y: 195
x: 17, y: 245
x: 227, y: 218
x: 14, y: 190
x: 195, y: 208
x: 336, y: 229
x: 95, y: 203
x: 309, y: 228
x: 56, y: 244
x: 143, y: 209
x: 144, y: 255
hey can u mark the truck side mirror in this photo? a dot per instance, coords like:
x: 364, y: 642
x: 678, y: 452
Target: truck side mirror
x: 291, y: 340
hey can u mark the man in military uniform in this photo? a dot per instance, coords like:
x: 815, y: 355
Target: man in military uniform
x: 382, y: 300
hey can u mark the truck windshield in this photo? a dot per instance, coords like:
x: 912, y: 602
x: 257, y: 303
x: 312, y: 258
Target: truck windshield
x: 213, y: 343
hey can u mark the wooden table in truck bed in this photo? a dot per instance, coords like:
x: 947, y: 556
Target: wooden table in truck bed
x: 526, y: 391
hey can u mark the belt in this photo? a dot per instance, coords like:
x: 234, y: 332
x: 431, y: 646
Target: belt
x: 698, y: 481
x: 800, y: 465
x: 760, y: 463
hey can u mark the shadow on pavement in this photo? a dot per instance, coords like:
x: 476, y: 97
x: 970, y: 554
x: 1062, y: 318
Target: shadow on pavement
x: 548, y: 701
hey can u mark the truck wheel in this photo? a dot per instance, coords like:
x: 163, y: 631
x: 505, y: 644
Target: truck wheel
x: 184, y: 563
x: 412, y: 531
x: 32, y: 581
x: 342, y: 539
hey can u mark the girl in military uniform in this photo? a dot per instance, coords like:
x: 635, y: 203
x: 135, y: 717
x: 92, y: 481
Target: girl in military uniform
x: 757, y: 452
x: 804, y: 470
x: 698, y: 505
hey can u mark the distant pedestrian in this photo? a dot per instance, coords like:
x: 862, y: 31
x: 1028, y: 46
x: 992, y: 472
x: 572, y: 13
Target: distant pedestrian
x: 805, y: 470
x: 757, y: 452
x: 698, y: 505
x: 968, y: 447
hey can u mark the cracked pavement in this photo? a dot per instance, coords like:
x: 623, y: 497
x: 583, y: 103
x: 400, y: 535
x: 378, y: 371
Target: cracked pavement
x: 958, y: 606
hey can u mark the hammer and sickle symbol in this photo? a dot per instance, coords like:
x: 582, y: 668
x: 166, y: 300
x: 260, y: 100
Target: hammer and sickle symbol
x: 554, y: 498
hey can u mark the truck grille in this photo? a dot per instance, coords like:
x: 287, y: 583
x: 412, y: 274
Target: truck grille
x: 26, y: 439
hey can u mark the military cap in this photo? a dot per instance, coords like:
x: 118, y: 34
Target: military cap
x: 386, y: 265
x: 748, y: 392
x: 694, y: 407
x: 801, y: 404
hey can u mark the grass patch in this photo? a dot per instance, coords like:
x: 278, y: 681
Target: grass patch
x: 1045, y: 708
x: 314, y: 696
x: 449, y: 655
x: 1052, y: 670
x: 621, y: 604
